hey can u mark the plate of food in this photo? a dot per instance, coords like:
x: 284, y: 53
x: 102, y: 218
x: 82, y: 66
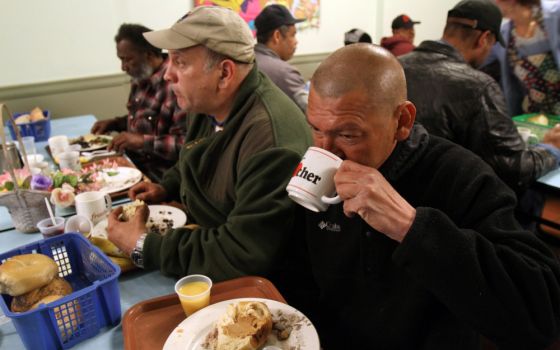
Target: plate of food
x: 246, y: 323
x: 117, y: 179
x: 162, y: 218
x: 92, y: 142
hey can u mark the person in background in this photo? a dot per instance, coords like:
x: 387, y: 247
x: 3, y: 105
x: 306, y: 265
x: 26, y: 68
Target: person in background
x: 458, y: 102
x: 530, y: 58
x: 154, y: 130
x: 402, y: 41
x: 424, y: 251
x: 276, y: 44
x: 356, y: 36
x: 245, y: 137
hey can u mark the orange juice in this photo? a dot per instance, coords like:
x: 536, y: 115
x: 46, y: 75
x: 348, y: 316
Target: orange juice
x: 193, y: 296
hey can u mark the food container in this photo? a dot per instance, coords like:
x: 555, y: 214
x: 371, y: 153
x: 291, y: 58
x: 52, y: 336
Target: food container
x: 94, y: 304
x: 538, y: 123
x: 41, y: 129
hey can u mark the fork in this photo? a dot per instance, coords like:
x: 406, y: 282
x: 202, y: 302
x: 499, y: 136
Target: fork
x: 101, y: 153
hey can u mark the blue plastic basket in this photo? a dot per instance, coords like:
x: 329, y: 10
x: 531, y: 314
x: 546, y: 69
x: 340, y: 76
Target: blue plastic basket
x: 41, y: 129
x: 94, y: 304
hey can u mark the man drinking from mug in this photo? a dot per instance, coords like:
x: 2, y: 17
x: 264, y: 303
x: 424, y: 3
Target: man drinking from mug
x: 424, y: 251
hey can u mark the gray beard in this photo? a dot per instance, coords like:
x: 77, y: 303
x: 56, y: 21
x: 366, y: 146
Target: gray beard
x: 145, y: 72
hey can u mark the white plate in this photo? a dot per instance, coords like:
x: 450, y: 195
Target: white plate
x: 93, y: 146
x: 157, y: 213
x: 191, y: 333
x: 160, y: 213
x: 119, y: 179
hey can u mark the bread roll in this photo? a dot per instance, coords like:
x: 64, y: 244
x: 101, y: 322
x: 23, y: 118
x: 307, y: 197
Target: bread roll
x: 23, y: 119
x: 129, y: 210
x: 23, y: 273
x: 540, y: 119
x: 26, y: 301
x: 36, y: 114
x: 245, y: 326
x: 46, y: 300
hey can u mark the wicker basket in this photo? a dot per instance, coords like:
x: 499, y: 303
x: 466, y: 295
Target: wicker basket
x: 26, y: 207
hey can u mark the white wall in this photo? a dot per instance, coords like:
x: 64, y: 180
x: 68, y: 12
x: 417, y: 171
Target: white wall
x: 45, y: 41
x: 64, y: 39
x: 432, y: 14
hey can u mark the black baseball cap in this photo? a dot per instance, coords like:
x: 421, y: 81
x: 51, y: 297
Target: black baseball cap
x: 485, y: 14
x: 356, y: 36
x: 403, y: 21
x: 274, y: 16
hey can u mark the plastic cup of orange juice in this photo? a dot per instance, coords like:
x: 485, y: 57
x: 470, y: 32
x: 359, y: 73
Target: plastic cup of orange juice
x: 193, y: 292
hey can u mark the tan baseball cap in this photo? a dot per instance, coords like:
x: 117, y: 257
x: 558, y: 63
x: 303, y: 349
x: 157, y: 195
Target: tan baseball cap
x: 219, y: 29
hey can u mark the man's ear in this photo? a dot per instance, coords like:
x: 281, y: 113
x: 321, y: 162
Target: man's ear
x: 406, y: 116
x: 483, y: 40
x: 276, y: 36
x: 227, y: 72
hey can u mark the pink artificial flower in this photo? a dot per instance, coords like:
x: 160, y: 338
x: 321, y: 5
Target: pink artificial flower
x: 68, y: 187
x: 62, y: 197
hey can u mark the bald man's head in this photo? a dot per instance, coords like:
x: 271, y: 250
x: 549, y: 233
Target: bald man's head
x: 362, y: 67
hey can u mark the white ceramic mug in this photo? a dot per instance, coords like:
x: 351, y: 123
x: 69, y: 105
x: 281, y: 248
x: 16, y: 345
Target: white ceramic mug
x: 312, y: 184
x: 58, y: 144
x: 69, y: 160
x: 93, y: 205
x: 527, y: 135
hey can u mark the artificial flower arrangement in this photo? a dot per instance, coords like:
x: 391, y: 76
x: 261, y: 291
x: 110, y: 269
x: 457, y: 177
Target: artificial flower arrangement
x: 62, y: 184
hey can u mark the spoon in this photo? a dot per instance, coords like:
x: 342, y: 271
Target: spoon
x: 50, y: 211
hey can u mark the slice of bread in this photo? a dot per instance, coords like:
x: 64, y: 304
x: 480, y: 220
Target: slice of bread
x: 245, y: 326
x: 129, y: 210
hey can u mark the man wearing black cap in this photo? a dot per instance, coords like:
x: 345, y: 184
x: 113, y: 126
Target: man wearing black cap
x: 356, y: 35
x: 403, y: 36
x: 458, y: 102
x: 276, y: 37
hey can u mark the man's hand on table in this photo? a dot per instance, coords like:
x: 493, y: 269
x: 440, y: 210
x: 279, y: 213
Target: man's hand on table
x: 367, y: 193
x: 126, y: 140
x: 124, y: 234
x: 103, y: 126
x: 552, y: 136
x: 148, y: 192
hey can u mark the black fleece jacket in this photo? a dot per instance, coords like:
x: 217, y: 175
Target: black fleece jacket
x: 465, y: 268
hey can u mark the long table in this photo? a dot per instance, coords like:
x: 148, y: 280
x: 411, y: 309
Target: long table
x: 134, y: 286
x: 71, y: 127
x: 550, y: 181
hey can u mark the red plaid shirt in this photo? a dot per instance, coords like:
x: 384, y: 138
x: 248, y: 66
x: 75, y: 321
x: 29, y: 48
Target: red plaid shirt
x: 153, y: 111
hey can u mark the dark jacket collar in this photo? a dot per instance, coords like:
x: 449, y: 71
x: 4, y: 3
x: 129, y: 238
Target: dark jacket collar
x: 441, y: 47
x: 406, y: 154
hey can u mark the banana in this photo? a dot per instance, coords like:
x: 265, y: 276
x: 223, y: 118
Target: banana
x: 124, y: 263
x: 107, y: 247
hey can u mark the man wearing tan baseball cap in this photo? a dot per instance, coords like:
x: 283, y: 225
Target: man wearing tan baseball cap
x: 244, y: 139
x: 219, y: 29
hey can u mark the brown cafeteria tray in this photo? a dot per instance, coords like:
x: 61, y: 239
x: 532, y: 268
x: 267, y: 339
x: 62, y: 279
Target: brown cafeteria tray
x: 147, y: 324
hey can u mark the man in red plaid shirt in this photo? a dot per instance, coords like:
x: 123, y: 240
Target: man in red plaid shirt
x: 153, y: 131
